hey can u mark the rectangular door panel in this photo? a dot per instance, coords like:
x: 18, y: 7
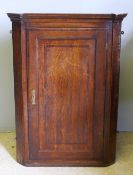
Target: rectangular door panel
x: 68, y: 91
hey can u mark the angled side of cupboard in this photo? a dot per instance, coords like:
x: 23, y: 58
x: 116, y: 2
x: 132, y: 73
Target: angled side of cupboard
x: 66, y: 79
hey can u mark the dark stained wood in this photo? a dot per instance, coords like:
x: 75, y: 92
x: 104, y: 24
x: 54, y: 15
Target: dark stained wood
x: 70, y: 63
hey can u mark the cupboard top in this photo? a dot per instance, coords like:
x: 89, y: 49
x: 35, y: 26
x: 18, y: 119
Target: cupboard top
x: 40, y: 16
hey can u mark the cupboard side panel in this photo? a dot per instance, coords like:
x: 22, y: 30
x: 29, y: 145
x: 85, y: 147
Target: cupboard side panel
x: 20, y: 91
x: 115, y: 87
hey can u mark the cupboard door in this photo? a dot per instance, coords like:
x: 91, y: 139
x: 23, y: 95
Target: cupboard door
x: 66, y: 94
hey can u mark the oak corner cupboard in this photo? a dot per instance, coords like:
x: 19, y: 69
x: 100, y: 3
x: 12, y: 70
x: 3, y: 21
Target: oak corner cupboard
x: 66, y: 79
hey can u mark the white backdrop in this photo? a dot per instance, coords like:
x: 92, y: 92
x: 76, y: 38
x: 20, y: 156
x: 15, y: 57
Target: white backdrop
x: 7, y: 116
